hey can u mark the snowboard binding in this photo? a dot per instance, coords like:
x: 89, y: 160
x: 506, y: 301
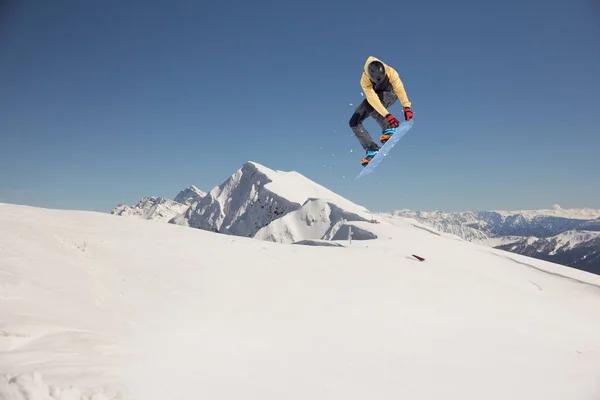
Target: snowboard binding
x: 386, y: 135
x: 368, y: 157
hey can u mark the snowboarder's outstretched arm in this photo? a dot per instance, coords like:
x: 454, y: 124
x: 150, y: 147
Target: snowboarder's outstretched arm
x: 398, y: 86
x: 400, y: 92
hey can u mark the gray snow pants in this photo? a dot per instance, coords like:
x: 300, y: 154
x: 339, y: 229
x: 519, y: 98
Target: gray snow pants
x: 364, y: 111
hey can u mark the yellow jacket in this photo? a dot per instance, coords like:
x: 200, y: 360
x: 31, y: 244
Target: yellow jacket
x: 395, y: 80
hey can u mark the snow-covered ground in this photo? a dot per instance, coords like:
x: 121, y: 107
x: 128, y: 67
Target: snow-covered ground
x: 95, y: 306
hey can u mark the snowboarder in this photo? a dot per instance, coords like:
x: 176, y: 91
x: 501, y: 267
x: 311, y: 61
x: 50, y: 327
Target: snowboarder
x: 382, y: 86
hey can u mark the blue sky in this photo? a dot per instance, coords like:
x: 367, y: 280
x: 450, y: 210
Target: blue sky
x: 105, y: 102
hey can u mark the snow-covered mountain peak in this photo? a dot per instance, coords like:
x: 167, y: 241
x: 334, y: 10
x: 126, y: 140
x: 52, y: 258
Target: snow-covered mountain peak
x: 297, y: 187
x: 253, y: 197
x: 190, y: 195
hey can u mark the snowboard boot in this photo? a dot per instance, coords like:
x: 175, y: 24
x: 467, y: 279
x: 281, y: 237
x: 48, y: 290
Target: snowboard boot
x: 368, y: 157
x: 386, y: 135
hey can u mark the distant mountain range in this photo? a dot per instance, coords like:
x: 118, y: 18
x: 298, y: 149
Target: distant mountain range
x: 287, y: 207
x: 154, y: 208
x: 159, y: 208
x: 566, y: 236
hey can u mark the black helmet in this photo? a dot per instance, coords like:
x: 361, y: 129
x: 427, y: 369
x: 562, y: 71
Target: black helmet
x: 376, y: 71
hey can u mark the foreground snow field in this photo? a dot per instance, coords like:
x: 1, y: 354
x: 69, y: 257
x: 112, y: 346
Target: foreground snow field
x: 98, y: 306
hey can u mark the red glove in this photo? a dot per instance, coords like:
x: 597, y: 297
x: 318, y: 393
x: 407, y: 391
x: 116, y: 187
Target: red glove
x: 408, y: 114
x: 392, y: 121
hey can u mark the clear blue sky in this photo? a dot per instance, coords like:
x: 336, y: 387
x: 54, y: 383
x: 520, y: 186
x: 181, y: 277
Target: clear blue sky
x: 103, y: 102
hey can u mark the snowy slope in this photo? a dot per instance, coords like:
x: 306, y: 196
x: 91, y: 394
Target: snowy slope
x: 155, y: 208
x: 571, y: 239
x: 126, y: 308
x: 252, y: 198
x: 579, y: 249
x: 562, y: 242
x: 316, y: 219
x: 190, y: 195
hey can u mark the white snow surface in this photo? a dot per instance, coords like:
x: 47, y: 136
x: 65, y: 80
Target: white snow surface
x: 94, y: 306
x: 316, y: 220
x: 152, y: 208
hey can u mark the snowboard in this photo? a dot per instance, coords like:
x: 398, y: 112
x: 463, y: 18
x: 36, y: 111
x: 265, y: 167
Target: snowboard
x: 386, y: 148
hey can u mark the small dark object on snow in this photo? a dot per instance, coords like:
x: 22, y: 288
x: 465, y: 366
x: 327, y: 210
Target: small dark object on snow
x: 418, y: 258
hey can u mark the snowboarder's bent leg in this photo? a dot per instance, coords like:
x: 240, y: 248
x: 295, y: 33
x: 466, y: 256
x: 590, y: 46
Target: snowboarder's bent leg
x: 361, y: 113
x: 387, y: 99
